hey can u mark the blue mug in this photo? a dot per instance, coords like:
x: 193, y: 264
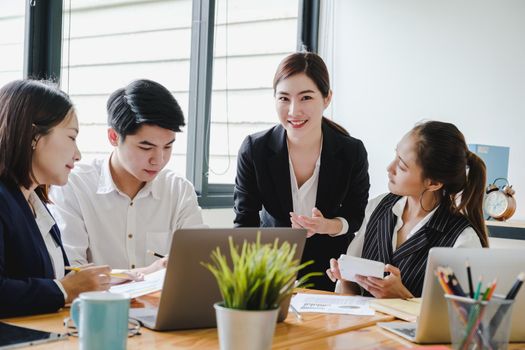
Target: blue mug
x: 102, y: 320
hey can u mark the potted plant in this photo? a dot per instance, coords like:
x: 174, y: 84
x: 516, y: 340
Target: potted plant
x: 261, y: 276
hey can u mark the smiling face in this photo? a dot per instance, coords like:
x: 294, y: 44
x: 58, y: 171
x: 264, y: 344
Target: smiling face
x: 56, y: 152
x: 300, y: 105
x: 405, y: 175
x: 144, y: 154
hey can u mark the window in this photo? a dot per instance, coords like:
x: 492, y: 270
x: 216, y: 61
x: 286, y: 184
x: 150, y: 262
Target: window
x: 12, y: 22
x: 251, y: 38
x: 97, y: 46
x: 107, y: 44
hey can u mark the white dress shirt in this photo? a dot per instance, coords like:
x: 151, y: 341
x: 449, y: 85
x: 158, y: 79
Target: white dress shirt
x: 467, y: 239
x: 45, y: 222
x: 304, y: 197
x: 101, y: 224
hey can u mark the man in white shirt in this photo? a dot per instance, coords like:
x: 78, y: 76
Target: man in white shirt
x: 114, y: 210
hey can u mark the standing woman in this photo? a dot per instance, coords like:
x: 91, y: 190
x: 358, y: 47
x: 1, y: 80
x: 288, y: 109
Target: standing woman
x: 307, y: 171
x: 436, y: 192
x: 38, y: 129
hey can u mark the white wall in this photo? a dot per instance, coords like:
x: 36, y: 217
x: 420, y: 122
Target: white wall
x: 394, y: 63
x: 218, y: 218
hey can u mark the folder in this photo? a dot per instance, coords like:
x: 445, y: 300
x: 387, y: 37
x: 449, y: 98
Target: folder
x: 405, y: 309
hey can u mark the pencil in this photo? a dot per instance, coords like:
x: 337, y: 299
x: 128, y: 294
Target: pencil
x: 154, y: 253
x: 115, y: 274
x: 492, y: 288
x: 469, y: 275
x: 478, y: 288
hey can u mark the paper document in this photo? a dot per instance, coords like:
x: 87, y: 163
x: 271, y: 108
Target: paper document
x: 152, y: 283
x: 332, y: 304
x: 351, y: 266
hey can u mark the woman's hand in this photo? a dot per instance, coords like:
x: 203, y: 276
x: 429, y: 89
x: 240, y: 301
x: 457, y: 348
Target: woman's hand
x: 389, y: 287
x: 334, y: 273
x: 92, y: 278
x: 155, y: 266
x: 317, y: 223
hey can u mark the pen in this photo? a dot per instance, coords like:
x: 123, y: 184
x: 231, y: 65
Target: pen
x: 154, y: 253
x: 455, y: 283
x: 296, y: 313
x: 118, y: 275
x: 516, y: 287
x: 469, y: 275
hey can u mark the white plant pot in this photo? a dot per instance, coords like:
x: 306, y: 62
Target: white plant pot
x: 245, y: 329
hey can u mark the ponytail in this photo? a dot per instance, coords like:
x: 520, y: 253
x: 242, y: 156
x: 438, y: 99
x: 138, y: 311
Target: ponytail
x: 444, y: 157
x: 472, y: 196
x: 335, y: 126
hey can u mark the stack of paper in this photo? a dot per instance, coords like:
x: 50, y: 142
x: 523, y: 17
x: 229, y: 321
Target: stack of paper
x: 152, y: 283
x: 332, y: 304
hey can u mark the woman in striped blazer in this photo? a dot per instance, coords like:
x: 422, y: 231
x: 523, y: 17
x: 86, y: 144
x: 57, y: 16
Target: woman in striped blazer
x: 436, y: 191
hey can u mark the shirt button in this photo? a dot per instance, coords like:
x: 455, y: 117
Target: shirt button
x: 130, y: 204
x: 130, y: 236
x: 132, y: 266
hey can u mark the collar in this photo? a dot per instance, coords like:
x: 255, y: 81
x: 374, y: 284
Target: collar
x: 107, y: 185
x: 105, y: 180
x: 43, y: 217
x: 399, y: 206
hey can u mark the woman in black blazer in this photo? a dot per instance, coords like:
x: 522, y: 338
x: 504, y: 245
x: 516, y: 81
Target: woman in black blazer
x: 307, y: 172
x: 38, y: 129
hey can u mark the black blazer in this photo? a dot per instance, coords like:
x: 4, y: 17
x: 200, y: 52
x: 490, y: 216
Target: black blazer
x: 263, y: 195
x: 26, y: 270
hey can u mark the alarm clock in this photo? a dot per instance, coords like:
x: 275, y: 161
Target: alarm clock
x: 499, y: 203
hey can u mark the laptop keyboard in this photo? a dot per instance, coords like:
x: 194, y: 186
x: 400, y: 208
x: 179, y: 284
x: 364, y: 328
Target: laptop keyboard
x: 147, y: 319
x: 411, y: 332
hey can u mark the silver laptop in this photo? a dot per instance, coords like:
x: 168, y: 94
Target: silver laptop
x: 432, y: 324
x: 189, y: 289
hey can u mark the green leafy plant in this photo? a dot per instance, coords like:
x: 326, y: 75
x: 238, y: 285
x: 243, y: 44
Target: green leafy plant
x: 261, y: 276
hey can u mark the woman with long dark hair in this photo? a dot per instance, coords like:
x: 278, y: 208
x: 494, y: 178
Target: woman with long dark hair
x: 436, y: 193
x: 38, y: 130
x: 307, y: 171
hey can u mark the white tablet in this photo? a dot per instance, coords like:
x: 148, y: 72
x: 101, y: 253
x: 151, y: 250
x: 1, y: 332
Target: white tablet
x: 12, y: 337
x: 351, y: 266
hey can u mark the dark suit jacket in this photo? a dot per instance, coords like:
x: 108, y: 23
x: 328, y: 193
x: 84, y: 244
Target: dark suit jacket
x: 263, y: 195
x: 26, y: 271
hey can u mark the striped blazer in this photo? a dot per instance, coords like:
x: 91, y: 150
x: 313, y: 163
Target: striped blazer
x: 441, y: 230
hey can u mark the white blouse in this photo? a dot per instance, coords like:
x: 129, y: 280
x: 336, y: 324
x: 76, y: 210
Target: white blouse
x: 45, y: 222
x: 304, y: 197
x: 467, y: 239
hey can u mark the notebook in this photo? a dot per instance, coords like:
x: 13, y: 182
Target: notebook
x: 405, y: 309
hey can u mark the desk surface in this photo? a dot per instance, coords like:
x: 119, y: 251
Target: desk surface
x: 291, y: 332
x: 315, y: 331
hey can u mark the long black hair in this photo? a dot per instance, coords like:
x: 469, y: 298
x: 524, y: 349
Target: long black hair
x: 28, y: 109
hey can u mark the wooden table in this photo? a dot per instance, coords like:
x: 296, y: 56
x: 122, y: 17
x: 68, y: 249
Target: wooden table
x: 314, y: 331
x: 291, y: 332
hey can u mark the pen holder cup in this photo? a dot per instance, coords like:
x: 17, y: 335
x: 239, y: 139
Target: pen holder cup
x: 476, y: 324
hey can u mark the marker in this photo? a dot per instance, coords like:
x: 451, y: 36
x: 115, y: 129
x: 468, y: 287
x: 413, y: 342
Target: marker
x: 516, y: 287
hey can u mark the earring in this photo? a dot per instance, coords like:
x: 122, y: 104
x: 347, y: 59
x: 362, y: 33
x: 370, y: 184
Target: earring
x: 421, y: 202
x: 33, y: 145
